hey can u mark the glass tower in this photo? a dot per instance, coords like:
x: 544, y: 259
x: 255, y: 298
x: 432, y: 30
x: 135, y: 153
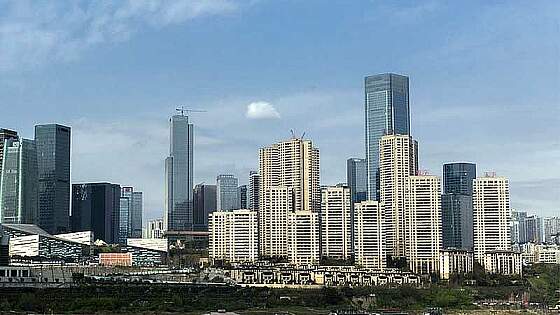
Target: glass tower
x: 356, y: 179
x: 226, y: 192
x: 386, y: 113
x: 179, y: 173
x: 456, y: 205
x: 53, y: 160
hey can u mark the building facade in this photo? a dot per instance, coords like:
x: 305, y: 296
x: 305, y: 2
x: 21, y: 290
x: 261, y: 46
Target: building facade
x: 204, y: 205
x: 386, y: 113
x: 253, y: 191
x: 53, y: 160
x: 233, y: 236
x: 491, y: 216
x: 455, y: 262
x: 276, y: 204
x: 503, y: 262
x: 398, y: 160
x: 369, y: 235
x: 178, y: 211
x: 356, y: 178
x: 18, y: 185
x: 5, y: 134
x: 242, y: 197
x: 303, y: 238
x: 226, y: 192
x: 336, y: 222
x: 155, y: 229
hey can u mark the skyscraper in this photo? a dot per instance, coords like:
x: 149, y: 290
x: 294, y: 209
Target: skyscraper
x: 242, y: 197
x: 135, y: 216
x: 96, y: 207
x: 456, y: 202
x: 5, y: 134
x: 369, y: 235
x: 125, y: 207
x: 386, y: 113
x: 535, y: 229
x: 492, y: 215
x: 178, y: 214
x: 518, y: 227
x: 204, y: 205
x: 53, y: 160
x: 18, y: 186
x: 226, y: 193
x: 398, y: 161
x: 277, y: 204
x: 336, y: 223
x: 253, y: 191
x: 356, y: 178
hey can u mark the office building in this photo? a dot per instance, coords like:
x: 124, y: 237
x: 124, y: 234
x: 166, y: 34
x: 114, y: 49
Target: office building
x: 454, y: 261
x: 356, y: 178
x: 155, y: 229
x: 503, y: 262
x: 242, y: 197
x: 96, y: 207
x: 303, y: 238
x: 491, y: 216
x: 535, y: 229
x: 125, y: 207
x: 18, y: 186
x: 53, y: 160
x: 398, y: 160
x: 456, y: 202
x: 5, y: 134
x: 204, y: 205
x: 233, y: 236
x: 386, y: 113
x: 253, y: 191
x: 369, y: 235
x: 336, y: 222
x: 226, y: 193
x: 423, y: 223
x: 136, y: 215
x: 178, y: 213
x: 276, y: 204
x: 518, y: 227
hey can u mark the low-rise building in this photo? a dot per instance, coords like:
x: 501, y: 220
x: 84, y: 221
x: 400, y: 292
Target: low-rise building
x: 455, y: 261
x: 158, y: 244
x: 115, y: 259
x: 503, y: 262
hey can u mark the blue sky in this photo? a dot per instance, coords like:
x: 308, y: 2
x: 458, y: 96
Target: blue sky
x: 484, y: 75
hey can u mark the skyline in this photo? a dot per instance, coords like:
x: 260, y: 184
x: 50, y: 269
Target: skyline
x: 124, y: 102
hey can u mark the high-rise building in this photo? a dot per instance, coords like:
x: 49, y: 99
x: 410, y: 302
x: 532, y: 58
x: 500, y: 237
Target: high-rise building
x: 178, y: 214
x: 491, y: 216
x: 336, y: 224
x: 398, y: 160
x: 456, y: 202
x: 226, y: 193
x: 53, y: 160
x: 125, y: 207
x: 518, y: 227
x: 135, y: 221
x: 5, y: 134
x: 369, y: 235
x: 303, y: 238
x: 242, y: 197
x: 423, y: 223
x: 233, y: 236
x: 293, y: 163
x: 253, y: 191
x: 18, y: 186
x: 551, y: 228
x: 535, y: 229
x: 276, y: 204
x: 386, y: 113
x: 96, y: 207
x: 204, y: 205
x: 155, y: 228
x: 356, y: 178
x: 130, y: 214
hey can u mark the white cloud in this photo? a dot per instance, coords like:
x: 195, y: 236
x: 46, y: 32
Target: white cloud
x: 262, y: 110
x: 33, y: 33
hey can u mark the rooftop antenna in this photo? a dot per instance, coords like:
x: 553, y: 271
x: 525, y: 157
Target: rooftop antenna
x: 292, y: 132
x: 303, y: 135
x: 184, y: 110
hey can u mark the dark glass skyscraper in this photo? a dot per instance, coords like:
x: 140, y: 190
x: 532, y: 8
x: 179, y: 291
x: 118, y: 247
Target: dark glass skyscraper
x: 356, y: 179
x: 178, y: 214
x: 386, y: 113
x: 53, y: 160
x: 456, y: 205
x: 204, y: 204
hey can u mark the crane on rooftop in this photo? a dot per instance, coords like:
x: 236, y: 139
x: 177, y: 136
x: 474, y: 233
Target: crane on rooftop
x: 182, y: 110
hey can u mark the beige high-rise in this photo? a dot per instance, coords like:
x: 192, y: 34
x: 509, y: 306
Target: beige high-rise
x: 273, y: 214
x: 336, y: 225
x: 398, y: 159
x: 423, y: 241
x: 369, y: 235
x: 491, y: 216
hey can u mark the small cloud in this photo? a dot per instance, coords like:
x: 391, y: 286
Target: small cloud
x: 261, y: 110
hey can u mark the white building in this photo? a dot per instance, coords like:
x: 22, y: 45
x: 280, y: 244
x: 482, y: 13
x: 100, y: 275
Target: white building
x: 397, y: 161
x: 369, y: 235
x: 455, y: 261
x: 85, y: 237
x: 503, y: 262
x: 491, y: 215
x: 273, y: 221
x: 303, y: 238
x: 159, y: 244
x: 155, y: 229
x: 233, y: 236
x: 422, y: 205
x: 551, y: 228
x: 336, y: 224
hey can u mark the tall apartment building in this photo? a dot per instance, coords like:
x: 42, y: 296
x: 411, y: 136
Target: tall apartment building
x: 456, y: 202
x: 18, y: 184
x: 226, y: 192
x: 551, y: 228
x: 535, y: 229
x: 242, y: 197
x: 204, y: 205
x: 386, y: 113
x: 233, y: 236
x: 518, y: 227
x: 96, y: 207
x: 273, y: 221
x: 53, y: 160
x: 253, y: 191
x: 398, y: 160
x: 336, y: 222
x: 356, y: 178
x: 369, y: 235
x: 491, y: 216
x: 423, y: 223
x: 179, y: 172
x: 303, y: 238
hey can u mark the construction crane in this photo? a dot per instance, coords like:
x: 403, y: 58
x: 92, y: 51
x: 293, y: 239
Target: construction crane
x: 184, y: 110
